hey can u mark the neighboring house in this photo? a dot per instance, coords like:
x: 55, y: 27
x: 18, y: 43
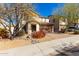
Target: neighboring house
x: 58, y: 22
x: 46, y: 25
x: 62, y: 24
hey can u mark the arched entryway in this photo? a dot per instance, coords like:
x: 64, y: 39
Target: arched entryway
x: 32, y: 26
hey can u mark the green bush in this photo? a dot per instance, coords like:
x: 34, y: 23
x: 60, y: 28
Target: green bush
x: 76, y: 31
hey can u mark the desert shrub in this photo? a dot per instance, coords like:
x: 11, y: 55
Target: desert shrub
x: 20, y: 33
x: 3, y: 33
x: 38, y: 34
x: 63, y: 30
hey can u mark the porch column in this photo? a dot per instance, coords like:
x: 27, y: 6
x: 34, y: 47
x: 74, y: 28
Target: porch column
x: 37, y: 27
x: 29, y: 28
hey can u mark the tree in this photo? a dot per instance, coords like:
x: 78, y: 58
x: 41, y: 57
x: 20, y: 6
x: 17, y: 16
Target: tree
x: 13, y: 15
x: 69, y: 11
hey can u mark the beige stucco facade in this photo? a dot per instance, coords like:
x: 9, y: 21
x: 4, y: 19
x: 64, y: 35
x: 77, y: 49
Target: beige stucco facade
x: 33, y: 26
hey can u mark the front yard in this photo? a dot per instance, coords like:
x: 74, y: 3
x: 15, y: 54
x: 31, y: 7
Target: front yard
x: 20, y: 41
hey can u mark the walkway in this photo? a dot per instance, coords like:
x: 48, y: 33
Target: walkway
x: 43, y: 48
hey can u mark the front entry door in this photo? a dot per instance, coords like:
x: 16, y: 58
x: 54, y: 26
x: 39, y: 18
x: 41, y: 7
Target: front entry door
x: 33, y: 27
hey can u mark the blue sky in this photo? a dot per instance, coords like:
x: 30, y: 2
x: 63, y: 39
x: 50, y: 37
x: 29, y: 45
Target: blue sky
x: 46, y: 9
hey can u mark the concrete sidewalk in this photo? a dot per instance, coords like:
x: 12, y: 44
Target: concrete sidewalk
x: 41, y: 49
